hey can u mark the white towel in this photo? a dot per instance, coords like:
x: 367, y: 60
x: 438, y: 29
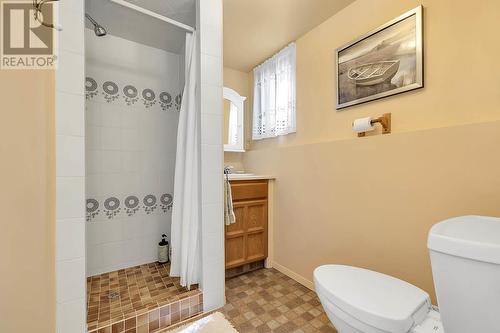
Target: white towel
x: 215, y: 322
x: 229, y: 217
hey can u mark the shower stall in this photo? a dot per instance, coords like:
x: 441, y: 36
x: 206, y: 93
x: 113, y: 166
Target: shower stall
x: 134, y: 79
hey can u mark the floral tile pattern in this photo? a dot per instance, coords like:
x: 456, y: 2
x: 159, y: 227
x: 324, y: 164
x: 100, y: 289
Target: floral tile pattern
x: 111, y: 207
x: 130, y: 94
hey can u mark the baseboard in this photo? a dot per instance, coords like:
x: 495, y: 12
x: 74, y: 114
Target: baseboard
x: 291, y: 274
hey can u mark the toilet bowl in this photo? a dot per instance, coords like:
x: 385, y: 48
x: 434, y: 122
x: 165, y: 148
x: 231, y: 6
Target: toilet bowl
x: 358, y: 300
x: 465, y: 257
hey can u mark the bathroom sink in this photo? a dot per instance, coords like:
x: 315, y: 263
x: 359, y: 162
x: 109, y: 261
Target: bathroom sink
x: 241, y: 175
x: 248, y: 176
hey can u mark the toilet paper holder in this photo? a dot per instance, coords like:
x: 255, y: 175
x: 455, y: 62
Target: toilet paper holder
x: 384, y: 120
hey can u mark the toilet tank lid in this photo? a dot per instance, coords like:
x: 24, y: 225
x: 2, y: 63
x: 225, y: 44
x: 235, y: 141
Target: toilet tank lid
x: 472, y: 237
x: 376, y: 299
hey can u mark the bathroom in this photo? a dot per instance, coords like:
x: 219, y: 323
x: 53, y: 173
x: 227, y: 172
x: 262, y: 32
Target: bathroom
x: 370, y: 202
x: 128, y: 84
x: 331, y: 177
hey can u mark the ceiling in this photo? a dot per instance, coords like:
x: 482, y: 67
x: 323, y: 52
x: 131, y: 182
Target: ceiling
x: 129, y: 24
x: 180, y: 10
x: 253, y: 29
x: 256, y: 29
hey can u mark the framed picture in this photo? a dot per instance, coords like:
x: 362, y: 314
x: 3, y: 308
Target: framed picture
x: 384, y: 62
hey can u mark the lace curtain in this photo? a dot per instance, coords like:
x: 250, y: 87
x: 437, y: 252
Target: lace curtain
x: 274, y: 95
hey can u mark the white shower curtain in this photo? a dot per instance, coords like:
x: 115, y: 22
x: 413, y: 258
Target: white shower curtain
x: 185, y: 238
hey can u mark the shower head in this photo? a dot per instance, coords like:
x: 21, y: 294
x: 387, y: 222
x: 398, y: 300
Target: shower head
x: 98, y: 29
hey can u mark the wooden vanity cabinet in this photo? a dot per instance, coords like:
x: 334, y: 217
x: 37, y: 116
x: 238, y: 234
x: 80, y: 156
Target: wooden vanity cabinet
x: 246, y: 240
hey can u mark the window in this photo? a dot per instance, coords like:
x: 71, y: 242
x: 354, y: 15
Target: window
x: 274, y: 96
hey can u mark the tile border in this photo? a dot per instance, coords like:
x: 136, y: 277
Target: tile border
x: 110, y: 207
x: 111, y: 93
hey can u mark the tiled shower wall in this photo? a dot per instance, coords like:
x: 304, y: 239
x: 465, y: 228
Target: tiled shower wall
x: 209, y: 23
x: 70, y: 171
x: 132, y: 109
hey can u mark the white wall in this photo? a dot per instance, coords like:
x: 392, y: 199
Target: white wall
x: 70, y: 172
x: 130, y: 147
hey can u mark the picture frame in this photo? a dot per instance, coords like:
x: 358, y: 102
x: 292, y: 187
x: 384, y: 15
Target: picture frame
x: 384, y: 62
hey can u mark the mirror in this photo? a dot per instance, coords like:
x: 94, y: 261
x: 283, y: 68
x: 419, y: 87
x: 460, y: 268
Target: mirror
x: 234, y: 113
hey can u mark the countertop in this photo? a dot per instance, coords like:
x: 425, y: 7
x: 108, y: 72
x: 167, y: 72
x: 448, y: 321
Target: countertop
x: 235, y: 176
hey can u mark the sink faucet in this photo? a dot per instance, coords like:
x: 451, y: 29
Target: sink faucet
x: 228, y: 169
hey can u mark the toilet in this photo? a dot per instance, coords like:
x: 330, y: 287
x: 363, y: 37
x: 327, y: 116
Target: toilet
x: 465, y: 258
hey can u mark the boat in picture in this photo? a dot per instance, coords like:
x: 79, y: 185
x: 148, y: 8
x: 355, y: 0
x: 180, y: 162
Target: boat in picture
x: 374, y: 73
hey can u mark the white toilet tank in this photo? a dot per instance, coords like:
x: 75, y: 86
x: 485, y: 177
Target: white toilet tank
x: 465, y: 256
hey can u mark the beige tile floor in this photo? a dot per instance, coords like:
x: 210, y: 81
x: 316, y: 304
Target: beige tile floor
x: 269, y: 301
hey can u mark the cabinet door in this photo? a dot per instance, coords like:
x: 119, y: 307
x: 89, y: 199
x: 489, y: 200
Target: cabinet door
x: 256, y: 230
x: 235, y: 238
x: 246, y: 240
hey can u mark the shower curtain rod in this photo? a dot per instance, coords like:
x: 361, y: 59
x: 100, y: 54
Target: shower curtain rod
x: 153, y: 14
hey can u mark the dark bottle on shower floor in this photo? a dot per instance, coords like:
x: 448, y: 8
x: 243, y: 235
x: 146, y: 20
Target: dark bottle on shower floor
x: 163, y: 250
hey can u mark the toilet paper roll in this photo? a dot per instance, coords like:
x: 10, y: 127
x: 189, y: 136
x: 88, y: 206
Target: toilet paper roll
x: 363, y: 125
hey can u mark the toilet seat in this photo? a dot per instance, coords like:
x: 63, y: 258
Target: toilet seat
x: 370, y: 298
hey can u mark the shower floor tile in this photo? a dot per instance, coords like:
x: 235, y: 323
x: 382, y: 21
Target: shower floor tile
x: 135, y: 292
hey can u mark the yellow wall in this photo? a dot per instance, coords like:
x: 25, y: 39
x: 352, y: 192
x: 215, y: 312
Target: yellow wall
x: 27, y: 197
x: 371, y: 201
x: 238, y: 81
